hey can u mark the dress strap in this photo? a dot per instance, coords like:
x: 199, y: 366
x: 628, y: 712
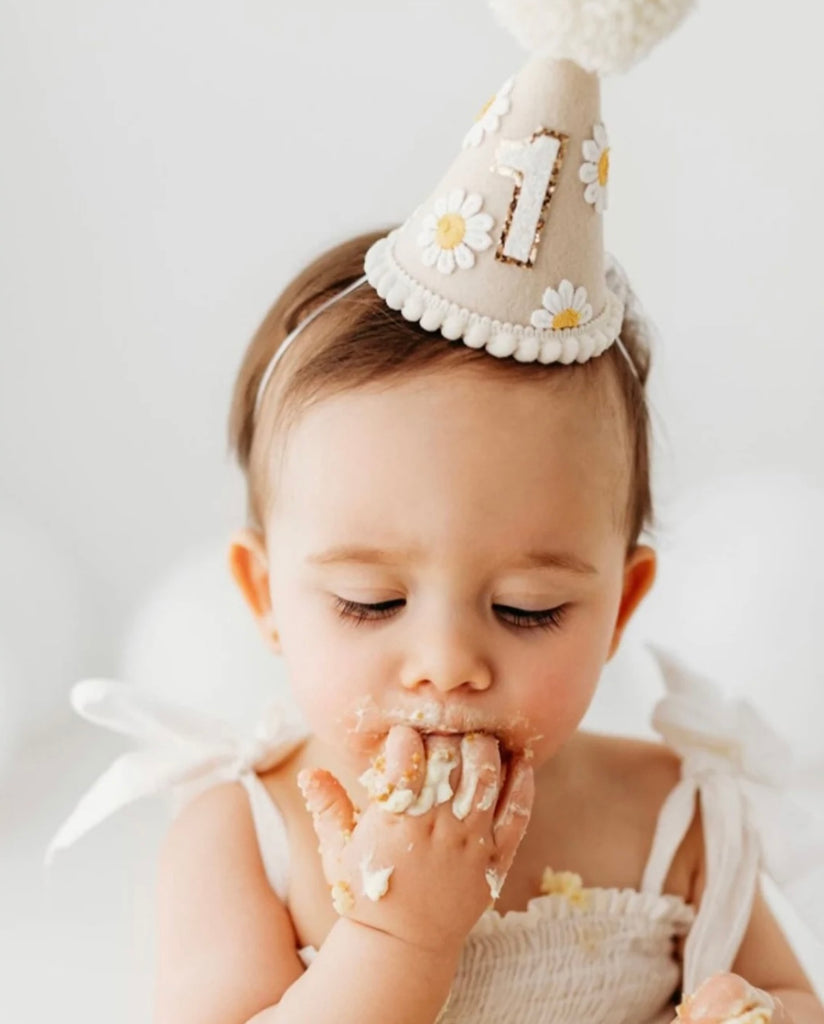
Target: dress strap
x: 271, y: 833
x: 671, y: 828
x: 742, y: 773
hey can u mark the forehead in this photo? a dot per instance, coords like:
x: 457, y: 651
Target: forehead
x: 453, y: 456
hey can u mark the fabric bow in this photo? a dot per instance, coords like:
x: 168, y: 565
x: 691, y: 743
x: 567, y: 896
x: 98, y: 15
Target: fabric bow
x: 751, y: 793
x: 186, y: 748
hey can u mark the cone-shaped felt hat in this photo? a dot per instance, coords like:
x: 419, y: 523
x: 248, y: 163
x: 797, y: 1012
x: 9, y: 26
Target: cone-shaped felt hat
x: 507, y: 253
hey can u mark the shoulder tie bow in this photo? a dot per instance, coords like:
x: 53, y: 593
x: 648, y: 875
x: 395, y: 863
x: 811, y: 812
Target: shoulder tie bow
x: 184, y: 748
x: 749, y: 789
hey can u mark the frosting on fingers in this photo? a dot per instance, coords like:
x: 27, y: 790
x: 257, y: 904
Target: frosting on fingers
x: 437, y: 788
x: 478, y: 772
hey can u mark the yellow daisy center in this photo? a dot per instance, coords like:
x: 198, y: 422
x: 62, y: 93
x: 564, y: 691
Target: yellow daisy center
x: 603, y: 168
x: 451, y: 230
x: 566, y: 318
x: 485, y: 107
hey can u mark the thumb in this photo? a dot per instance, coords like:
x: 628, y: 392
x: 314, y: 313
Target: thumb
x: 333, y: 816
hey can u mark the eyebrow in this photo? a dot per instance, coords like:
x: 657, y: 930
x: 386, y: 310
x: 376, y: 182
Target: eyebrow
x: 353, y: 553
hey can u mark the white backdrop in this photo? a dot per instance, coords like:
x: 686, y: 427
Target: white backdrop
x: 168, y: 165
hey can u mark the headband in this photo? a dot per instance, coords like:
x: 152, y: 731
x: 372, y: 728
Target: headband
x: 633, y: 314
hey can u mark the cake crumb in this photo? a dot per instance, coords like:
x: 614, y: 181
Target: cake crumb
x: 567, y: 884
x: 342, y: 898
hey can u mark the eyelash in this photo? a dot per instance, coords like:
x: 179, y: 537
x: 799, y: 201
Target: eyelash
x: 357, y: 613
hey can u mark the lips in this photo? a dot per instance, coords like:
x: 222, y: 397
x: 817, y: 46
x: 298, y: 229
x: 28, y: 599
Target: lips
x: 436, y: 719
x: 505, y: 750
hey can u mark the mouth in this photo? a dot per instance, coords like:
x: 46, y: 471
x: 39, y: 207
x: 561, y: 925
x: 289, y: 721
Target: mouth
x: 506, y: 751
x: 434, y: 719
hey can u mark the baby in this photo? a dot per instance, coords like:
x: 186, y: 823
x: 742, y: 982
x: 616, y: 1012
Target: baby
x: 444, y: 548
x: 447, y: 462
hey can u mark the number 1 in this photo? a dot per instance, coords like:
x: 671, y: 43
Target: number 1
x: 535, y: 164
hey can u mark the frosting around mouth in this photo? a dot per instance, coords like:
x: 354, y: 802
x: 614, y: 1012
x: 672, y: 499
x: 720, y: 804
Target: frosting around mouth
x: 433, y: 718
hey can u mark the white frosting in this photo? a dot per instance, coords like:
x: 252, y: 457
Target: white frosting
x: 495, y: 881
x: 436, y: 787
x: 470, y: 777
x: 432, y: 716
x: 398, y: 801
x: 395, y: 799
x: 462, y: 804
x: 489, y: 797
x: 375, y: 880
x: 512, y: 809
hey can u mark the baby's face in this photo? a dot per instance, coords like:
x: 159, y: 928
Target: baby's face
x: 445, y: 501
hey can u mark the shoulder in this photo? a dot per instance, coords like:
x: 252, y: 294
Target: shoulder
x: 636, y: 777
x: 226, y: 945
x: 642, y: 772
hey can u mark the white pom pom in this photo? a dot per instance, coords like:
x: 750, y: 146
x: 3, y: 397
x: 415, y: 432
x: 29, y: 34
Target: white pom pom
x: 599, y: 35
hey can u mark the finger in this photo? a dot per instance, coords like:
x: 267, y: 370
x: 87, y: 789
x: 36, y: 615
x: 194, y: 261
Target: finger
x: 333, y: 816
x: 442, y: 760
x: 480, y: 775
x: 513, y: 811
x: 405, y: 766
x: 396, y: 774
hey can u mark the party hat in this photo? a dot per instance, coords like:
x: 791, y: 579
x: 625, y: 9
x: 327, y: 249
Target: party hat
x: 507, y: 252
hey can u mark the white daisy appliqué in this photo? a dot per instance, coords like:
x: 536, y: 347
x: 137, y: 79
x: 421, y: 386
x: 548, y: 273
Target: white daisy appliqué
x: 489, y: 118
x: 456, y: 230
x: 566, y: 307
x: 594, y: 172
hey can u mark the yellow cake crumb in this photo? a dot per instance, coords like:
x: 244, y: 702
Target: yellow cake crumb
x: 567, y: 884
x: 342, y: 898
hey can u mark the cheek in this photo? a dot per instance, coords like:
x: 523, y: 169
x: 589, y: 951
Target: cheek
x: 331, y: 679
x: 559, y: 695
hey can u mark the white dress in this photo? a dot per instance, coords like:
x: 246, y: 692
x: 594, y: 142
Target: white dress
x: 608, y: 956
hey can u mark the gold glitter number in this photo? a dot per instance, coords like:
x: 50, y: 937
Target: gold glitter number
x: 535, y: 164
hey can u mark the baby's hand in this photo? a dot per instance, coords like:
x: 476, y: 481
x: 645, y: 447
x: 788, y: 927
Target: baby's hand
x: 728, y: 999
x: 418, y: 863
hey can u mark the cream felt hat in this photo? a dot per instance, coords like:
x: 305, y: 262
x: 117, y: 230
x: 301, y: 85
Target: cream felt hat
x: 507, y: 253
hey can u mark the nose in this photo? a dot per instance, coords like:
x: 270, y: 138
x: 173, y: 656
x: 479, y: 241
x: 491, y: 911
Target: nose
x: 448, y: 654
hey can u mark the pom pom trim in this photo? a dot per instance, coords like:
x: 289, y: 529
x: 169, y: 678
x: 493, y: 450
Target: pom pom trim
x: 523, y: 342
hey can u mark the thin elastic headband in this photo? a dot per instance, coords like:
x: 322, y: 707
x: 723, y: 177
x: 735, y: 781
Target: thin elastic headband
x: 287, y: 341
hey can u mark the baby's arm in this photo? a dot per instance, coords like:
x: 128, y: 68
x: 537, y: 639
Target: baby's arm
x: 364, y: 975
x: 226, y: 943
x: 766, y: 959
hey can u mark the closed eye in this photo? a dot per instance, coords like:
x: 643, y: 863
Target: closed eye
x: 356, y: 613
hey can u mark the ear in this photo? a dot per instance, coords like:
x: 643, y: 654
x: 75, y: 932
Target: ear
x: 249, y: 566
x: 639, y: 575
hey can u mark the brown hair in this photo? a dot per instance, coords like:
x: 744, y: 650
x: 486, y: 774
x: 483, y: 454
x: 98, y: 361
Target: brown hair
x: 359, y: 341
